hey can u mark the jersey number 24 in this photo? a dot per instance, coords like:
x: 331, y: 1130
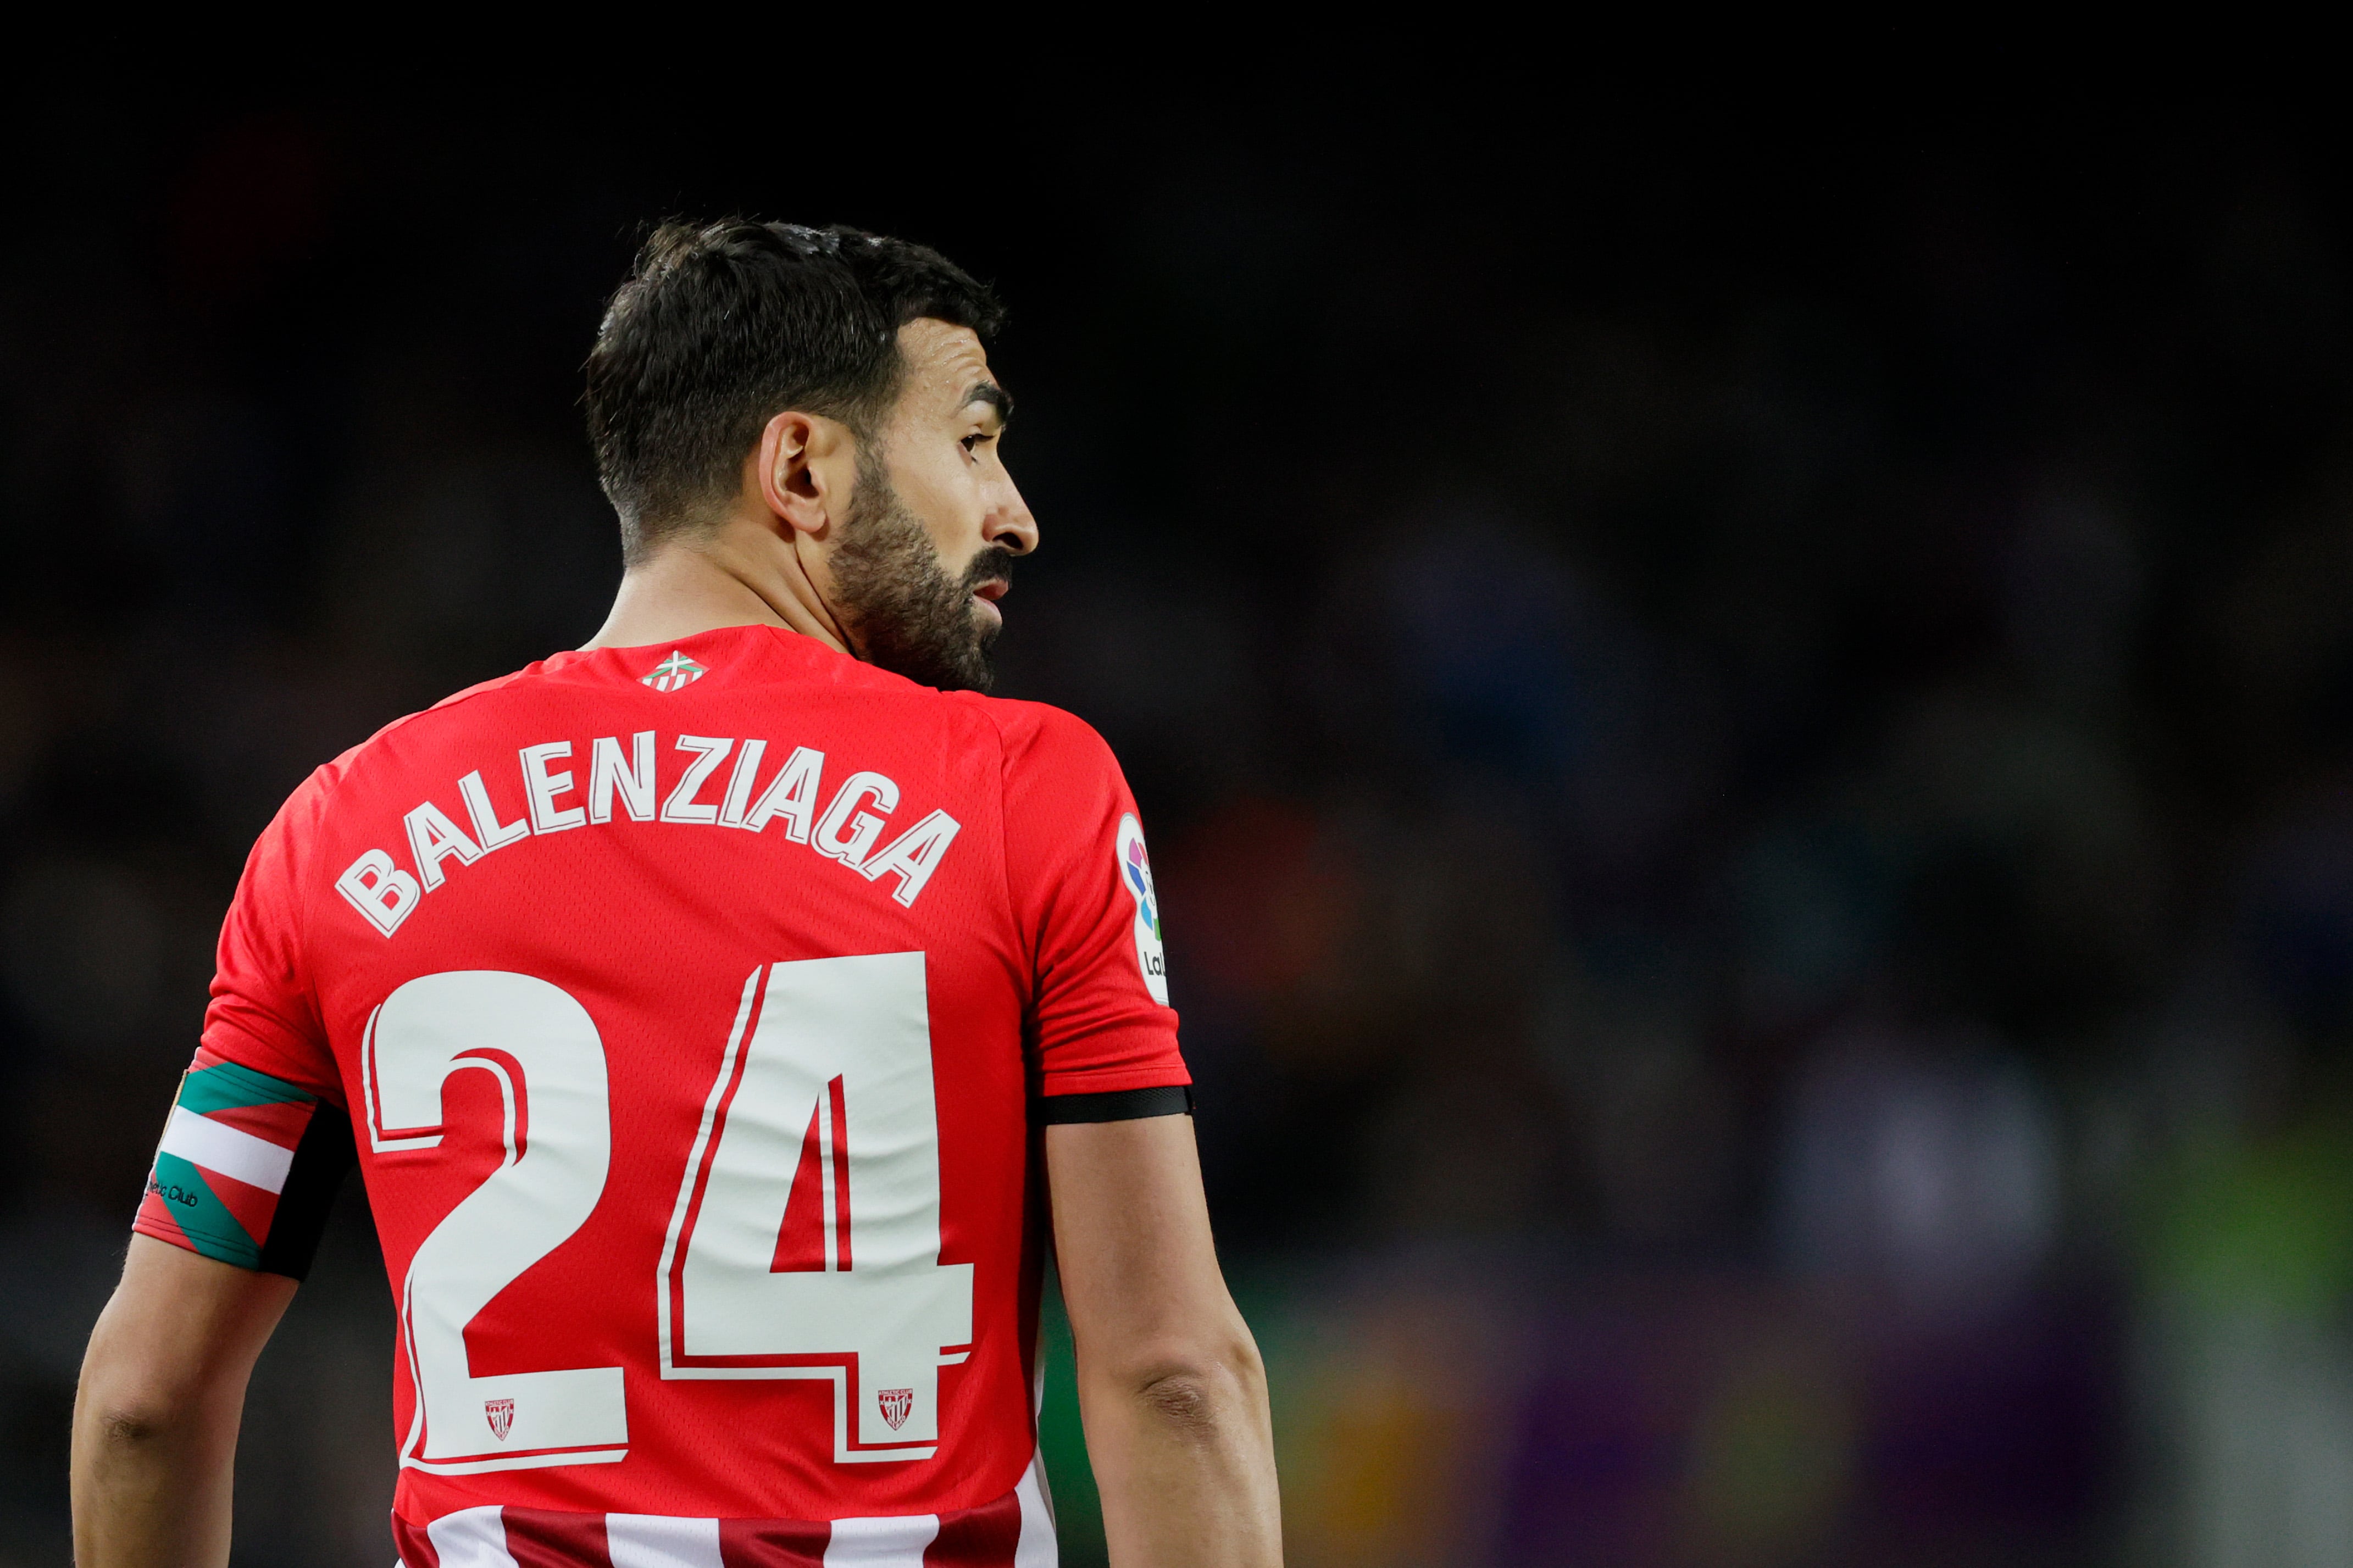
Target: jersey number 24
x: 804, y: 1243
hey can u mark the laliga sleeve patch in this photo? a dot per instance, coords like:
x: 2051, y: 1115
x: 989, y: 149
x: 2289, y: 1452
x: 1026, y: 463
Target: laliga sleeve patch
x: 1135, y: 875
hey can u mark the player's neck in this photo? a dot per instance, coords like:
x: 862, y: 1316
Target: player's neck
x: 689, y: 589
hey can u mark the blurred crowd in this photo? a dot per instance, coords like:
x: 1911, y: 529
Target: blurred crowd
x: 1748, y: 750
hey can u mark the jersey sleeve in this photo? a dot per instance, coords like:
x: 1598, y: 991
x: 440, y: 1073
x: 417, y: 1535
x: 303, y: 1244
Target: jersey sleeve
x: 264, y: 1014
x: 257, y: 1145
x: 1081, y: 883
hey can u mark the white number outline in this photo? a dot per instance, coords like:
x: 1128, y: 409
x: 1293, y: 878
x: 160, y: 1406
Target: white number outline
x: 516, y: 1098
x: 832, y: 1367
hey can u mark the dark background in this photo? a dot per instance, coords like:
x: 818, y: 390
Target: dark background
x: 1746, y: 728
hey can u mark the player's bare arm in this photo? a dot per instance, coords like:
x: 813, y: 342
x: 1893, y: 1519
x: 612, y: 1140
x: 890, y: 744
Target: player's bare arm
x: 689, y: 1003
x: 1170, y: 1383
x: 155, y: 1418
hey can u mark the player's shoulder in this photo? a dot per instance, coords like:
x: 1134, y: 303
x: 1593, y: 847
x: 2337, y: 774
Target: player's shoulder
x: 1037, y: 734
x: 1020, y: 730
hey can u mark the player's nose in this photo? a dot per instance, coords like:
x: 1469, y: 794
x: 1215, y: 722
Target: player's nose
x: 1010, y: 524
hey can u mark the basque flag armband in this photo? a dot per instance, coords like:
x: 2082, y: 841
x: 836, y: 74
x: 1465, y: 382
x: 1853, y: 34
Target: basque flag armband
x: 247, y: 1168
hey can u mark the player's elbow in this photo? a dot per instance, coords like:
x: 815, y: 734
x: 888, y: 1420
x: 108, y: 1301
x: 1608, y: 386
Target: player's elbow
x: 1197, y: 1389
x: 1184, y: 1403
x: 119, y: 1417
x: 131, y: 1402
x: 130, y: 1427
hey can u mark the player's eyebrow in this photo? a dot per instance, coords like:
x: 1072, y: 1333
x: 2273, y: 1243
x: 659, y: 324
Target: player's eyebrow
x: 995, y: 396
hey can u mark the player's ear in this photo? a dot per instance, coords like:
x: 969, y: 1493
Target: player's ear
x: 803, y: 468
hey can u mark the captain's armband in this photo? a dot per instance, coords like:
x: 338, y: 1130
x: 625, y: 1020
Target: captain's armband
x: 247, y: 1168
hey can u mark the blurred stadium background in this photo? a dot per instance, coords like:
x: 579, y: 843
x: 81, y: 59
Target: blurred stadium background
x: 1748, y: 730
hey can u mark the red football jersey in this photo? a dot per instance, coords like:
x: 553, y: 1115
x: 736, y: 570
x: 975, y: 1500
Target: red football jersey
x: 688, y: 1004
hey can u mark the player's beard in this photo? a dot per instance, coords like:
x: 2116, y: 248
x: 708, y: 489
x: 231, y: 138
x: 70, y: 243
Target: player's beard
x: 905, y: 612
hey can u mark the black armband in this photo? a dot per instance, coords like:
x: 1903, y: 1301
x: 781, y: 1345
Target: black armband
x: 1120, y: 1105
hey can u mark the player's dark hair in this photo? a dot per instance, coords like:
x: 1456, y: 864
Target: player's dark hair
x: 720, y: 327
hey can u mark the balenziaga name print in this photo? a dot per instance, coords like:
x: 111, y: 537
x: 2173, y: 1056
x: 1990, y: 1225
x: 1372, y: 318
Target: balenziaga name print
x: 623, y: 785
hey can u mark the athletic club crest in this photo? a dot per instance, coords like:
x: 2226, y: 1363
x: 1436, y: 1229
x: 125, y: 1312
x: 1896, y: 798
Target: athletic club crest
x: 1135, y: 875
x: 895, y: 1403
x: 673, y: 672
x: 501, y: 1414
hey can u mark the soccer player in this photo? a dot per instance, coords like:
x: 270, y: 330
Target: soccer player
x: 721, y: 1016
